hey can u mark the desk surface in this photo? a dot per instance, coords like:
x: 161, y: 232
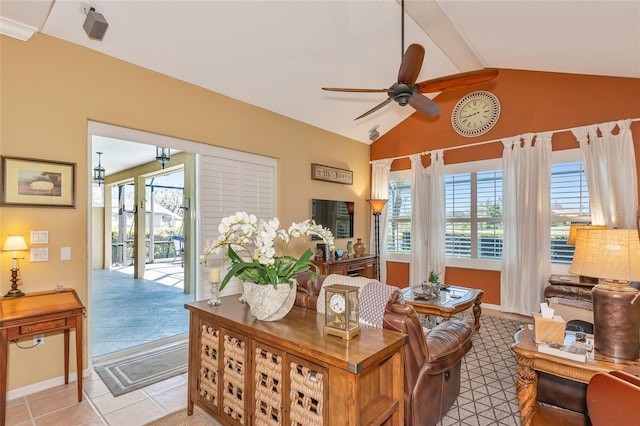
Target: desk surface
x: 37, y: 304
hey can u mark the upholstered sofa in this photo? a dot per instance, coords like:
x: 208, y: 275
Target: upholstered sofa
x: 431, y: 362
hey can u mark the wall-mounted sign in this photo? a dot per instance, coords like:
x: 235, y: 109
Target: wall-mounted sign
x: 331, y: 174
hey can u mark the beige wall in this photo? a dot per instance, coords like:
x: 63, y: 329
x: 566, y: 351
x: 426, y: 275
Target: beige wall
x: 50, y: 88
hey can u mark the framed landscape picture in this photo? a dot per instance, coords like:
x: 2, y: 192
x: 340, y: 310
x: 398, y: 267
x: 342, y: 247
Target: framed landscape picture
x: 42, y: 183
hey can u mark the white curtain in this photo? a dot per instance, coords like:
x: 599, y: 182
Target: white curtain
x: 420, y: 181
x: 610, y: 165
x: 427, y: 218
x: 526, y: 251
x: 380, y: 190
x: 436, y: 253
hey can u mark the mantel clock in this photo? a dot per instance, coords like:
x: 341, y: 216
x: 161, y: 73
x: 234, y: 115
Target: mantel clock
x: 342, y: 313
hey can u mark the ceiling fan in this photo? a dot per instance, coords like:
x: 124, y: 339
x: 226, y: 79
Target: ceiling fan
x: 407, y: 91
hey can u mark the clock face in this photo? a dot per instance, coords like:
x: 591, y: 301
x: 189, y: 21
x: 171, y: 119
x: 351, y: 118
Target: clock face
x: 476, y: 113
x: 337, y: 303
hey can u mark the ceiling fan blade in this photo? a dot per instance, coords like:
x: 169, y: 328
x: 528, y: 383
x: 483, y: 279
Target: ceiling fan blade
x: 374, y: 109
x: 411, y: 64
x: 344, y: 89
x: 457, y: 80
x: 424, y: 105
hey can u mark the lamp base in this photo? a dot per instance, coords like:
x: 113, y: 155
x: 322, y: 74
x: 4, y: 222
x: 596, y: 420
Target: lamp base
x: 616, y: 320
x: 590, y: 280
x: 14, y: 293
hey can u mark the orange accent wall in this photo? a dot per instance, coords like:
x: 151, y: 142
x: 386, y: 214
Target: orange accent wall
x: 530, y: 101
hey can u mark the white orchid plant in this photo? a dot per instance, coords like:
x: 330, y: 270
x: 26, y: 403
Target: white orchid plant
x: 242, y: 232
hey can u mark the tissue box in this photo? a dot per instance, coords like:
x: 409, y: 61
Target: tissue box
x: 549, y: 329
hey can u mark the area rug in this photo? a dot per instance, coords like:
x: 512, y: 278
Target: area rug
x: 488, y: 377
x: 135, y: 372
x: 180, y: 418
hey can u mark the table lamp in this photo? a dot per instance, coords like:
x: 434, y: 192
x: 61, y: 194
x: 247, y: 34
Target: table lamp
x: 15, y: 243
x: 573, y: 229
x: 614, y: 255
x: 376, y: 207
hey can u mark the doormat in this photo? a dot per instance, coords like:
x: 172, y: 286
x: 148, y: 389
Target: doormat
x: 145, y: 369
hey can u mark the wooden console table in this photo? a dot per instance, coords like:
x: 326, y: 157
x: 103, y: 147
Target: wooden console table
x: 531, y: 362
x: 246, y: 371
x: 358, y: 266
x: 40, y: 313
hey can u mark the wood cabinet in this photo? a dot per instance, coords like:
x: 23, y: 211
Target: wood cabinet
x: 244, y: 371
x: 360, y: 266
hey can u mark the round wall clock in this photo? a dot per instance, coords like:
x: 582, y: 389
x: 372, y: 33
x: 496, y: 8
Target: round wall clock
x: 476, y: 113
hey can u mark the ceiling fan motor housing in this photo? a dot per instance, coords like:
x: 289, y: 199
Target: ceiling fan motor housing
x: 401, y: 93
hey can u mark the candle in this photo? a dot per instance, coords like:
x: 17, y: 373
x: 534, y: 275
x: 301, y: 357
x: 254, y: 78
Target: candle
x: 214, y: 275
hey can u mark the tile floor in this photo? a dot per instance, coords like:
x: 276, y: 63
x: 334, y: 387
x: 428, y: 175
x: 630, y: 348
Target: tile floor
x: 59, y: 405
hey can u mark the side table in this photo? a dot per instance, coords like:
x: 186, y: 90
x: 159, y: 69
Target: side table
x: 531, y: 362
x: 39, y: 313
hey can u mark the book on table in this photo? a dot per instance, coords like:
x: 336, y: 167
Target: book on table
x: 565, y: 351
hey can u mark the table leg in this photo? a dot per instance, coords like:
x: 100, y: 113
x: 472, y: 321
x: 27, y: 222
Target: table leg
x: 79, y: 355
x: 527, y: 389
x: 66, y: 356
x: 477, y: 311
x: 3, y: 374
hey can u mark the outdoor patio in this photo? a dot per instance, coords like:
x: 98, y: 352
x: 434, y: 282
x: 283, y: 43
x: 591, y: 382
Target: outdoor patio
x: 126, y: 312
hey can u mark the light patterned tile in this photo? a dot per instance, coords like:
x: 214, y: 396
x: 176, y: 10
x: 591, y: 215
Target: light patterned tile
x: 140, y: 413
x: 77, y: 414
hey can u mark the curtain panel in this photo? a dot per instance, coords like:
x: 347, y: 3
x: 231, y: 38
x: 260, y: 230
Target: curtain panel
x: 610, y: 165
x: 380, y: 190
x: 526, y: 252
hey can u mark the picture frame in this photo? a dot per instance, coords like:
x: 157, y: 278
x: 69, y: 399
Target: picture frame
x: 331, y: 174
x: 38, y: 183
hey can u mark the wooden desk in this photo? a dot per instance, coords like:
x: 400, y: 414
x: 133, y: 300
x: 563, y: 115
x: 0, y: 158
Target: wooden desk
x: 245, y: 371
x: 40, y: 313
x: 531, y: 362
x: 454, y: 300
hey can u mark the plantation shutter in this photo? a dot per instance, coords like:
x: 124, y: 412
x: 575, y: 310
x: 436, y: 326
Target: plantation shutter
x: 245, y: 182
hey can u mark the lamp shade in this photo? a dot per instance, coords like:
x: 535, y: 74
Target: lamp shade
x: 574, y: 228
x: 15, y: 243
x: 612, y: 254
x: 377, y: 205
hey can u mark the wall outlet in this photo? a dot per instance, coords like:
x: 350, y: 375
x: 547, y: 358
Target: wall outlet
x: 38, y: 339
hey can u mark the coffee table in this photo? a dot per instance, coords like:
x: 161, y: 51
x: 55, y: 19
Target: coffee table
x: 452, y: 300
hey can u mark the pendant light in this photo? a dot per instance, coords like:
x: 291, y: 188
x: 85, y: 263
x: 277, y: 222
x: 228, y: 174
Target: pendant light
x: 163, y: 155
x: 98, y: 171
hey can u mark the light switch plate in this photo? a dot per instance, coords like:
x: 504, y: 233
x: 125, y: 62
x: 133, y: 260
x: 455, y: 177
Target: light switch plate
x: 39, y: 255
x: 39, y: 237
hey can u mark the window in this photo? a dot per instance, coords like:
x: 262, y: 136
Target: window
x: 473, y: 199
x: 569, y: 204
x: 474, y: 215
x: 399, y: 214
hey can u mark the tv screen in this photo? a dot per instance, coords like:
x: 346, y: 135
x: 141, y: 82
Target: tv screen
x: 335, y: 215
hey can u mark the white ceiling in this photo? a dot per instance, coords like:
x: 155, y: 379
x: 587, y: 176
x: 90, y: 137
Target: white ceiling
x: 278, y: 54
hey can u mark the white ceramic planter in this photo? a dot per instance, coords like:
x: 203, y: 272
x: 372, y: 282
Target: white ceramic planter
x: 269, y: 303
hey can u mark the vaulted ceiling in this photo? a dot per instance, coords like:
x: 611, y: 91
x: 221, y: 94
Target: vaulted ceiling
x: 278, y: 54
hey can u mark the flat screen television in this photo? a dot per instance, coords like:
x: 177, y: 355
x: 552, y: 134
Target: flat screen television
x: 335, y: 215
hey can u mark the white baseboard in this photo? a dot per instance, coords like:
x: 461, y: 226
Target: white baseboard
x: 44, y: 385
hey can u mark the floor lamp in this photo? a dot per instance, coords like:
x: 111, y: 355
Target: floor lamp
x: 376, y: 207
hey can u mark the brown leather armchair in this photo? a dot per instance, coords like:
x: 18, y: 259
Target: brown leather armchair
x: 431, y: 363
